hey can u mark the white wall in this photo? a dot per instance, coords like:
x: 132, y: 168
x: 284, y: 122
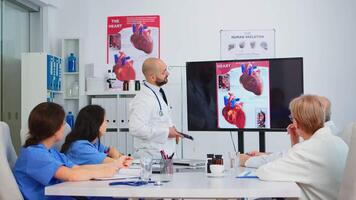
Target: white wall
x: 321, y: 31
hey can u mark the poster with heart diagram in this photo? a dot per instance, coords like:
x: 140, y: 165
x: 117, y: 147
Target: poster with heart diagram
x: 243, y: 97
x: 130, y: 40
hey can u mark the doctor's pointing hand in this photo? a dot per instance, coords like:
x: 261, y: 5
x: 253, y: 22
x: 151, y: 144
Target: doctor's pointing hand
x: 173, y: 133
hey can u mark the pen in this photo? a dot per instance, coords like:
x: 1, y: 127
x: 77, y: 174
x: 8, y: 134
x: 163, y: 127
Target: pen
x: 131, y: 183
x: 107, y: 150
x: 163, y: 154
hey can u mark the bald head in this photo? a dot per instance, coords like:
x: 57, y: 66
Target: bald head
x: 155, y: 71
x: 151, y: 66
x: 327, y: 107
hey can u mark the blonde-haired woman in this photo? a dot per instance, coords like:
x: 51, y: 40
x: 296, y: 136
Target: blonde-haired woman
x: 316, y: 164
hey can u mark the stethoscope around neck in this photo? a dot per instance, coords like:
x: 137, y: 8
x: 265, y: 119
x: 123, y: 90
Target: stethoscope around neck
x: 159, y: 102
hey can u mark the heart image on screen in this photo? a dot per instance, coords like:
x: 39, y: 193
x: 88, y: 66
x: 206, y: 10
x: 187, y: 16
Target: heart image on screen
x: 141, y: 38
x: 250, y: 79
x: 233, y: 111
x: 123, y: 67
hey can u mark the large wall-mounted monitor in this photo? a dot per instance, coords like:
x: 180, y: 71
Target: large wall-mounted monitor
x: 246, y: 95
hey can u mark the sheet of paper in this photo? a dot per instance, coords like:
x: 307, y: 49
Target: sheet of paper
x: 126, y: 173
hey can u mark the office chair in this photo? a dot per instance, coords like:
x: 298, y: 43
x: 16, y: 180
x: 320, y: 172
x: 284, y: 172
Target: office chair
x: 9, y: 189
x: 348, y: 184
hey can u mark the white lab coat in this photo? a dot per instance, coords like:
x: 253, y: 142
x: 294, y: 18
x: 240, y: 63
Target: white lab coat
x: 332, y: 126
x: 149, y: 129
x: 316, y: 165
x: 257, y: 161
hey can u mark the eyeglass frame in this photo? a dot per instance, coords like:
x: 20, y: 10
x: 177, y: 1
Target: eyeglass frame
x: 291, y: 118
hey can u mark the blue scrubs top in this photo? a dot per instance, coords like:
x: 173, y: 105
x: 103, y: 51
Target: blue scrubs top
x: 35, y: 168
x: 83, y: 152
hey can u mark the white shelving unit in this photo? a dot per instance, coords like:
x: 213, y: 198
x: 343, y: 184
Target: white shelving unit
x: 71, y: 80
x: 36, y: 84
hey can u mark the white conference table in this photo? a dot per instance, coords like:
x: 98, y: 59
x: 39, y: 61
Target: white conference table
x: 182, y: 185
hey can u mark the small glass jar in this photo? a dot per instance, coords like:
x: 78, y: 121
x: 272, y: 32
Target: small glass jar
x: 218, y: 160
x: 125, y: 86
x: 137, y: 85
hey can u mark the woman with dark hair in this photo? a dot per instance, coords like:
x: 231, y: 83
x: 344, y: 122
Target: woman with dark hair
x: 82, y: 144
x: 40, y: 165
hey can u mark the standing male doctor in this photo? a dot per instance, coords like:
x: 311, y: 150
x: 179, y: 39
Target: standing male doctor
x: 149, y: 114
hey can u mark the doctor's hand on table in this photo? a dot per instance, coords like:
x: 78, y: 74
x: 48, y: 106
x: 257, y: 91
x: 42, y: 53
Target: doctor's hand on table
x: 113, y: 153
x: 104, y: 170
x: 256, y: 153
x: 243, y: 159
x: 248, y: 155
x: 173, y: 133
x: 123, y: 162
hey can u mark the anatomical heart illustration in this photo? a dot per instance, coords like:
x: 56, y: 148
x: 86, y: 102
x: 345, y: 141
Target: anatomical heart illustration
x: 250, y: 79
x: 242, y: 89
x: 138, y: 37
x: 123, y: 67
x: 233, y: 111
x: 141, y: 38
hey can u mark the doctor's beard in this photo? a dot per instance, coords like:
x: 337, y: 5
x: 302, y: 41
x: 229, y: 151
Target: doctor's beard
x: 162, y: 82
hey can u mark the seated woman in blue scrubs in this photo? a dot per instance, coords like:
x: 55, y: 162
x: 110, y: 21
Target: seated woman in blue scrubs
x: 82, y: 144
x: 40, y: 165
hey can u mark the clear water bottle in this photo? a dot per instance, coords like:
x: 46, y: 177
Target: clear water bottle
x: 72, y: 60
x: 75, y: 89
x: 70, y: 119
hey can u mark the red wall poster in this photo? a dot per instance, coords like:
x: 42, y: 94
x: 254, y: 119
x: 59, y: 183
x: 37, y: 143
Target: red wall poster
x: 130, y: 40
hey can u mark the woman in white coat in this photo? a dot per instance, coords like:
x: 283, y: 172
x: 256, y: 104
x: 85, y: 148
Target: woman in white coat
x: 317, y: 163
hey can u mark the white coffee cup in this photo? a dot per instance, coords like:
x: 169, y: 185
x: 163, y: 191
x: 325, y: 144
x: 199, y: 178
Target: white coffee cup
x: 217, y: 169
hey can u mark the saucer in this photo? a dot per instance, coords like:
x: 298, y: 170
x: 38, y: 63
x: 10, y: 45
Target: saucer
x: 215, y: 175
